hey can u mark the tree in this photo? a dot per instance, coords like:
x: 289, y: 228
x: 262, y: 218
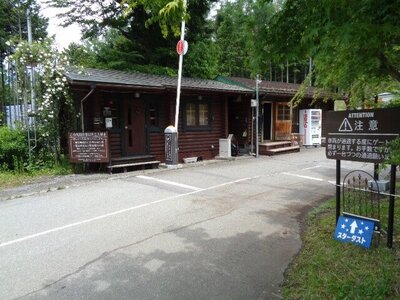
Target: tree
x: 13, y: 26
x: 80, y: 55
x: 355, y: 45
x: 231, y: 39
x: 241, y: 31
x: 201, y: 61
x: 145, y: 26
x: 13, y: 22
x: 113, y: 51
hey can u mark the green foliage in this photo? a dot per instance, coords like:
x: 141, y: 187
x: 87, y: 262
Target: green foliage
x: 120, y: 14
x: 153, y: 69
x: 394, y: 146
x: 51, y: 88
x: 395, y: 102
x: 241, y: 31
x: 34, y: 172
x: 201, y: 60
x: 80, y: 55
x: 115, y: 52
x: 13, y: 145
x: 394, y: 153
x: 231, y: 39
x: 167, y: 13
x: 326, y: 268
x: 134, y: 33
x: 354, y: 45
x: 13, y: 24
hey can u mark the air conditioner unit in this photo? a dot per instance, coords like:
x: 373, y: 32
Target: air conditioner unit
x: 383, y: 185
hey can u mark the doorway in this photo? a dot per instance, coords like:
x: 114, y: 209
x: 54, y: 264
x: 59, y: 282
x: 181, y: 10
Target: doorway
x: 267, y: 121
x: 135, y: 133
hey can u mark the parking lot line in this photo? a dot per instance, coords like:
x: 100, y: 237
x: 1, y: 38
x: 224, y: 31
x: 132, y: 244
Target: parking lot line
x: 302, y: 176
x: 193, y: 188
x: 56, y: 229
x: 310, y: 168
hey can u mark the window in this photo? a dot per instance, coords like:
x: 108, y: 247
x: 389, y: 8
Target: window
x: 190, y: 114
x: 197, y: 116
x: 153, y: 120
x: 154, y: 116
x: 283, y: 112
x: 203, y: 114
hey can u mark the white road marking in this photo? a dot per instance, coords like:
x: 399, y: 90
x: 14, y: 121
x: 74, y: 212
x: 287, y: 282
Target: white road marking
x: 118, y: 212
x: 170, y: 182
x: 310, y: 168
x: 302, y: 176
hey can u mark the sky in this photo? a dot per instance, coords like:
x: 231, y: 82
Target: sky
x: 63, y: 36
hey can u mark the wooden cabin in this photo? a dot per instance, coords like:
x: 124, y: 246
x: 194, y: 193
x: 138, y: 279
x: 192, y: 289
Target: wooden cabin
x: 136, y: 108
x: 278, y: 121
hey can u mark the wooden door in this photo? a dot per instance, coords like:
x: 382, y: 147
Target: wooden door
x: 283, y: 122
x: 135, y: 132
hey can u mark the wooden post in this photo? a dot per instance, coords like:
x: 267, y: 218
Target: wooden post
x: 391, y: 206
x: 337, y: 190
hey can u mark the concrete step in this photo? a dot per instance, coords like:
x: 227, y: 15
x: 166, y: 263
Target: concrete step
x: 277, y: 144
x: 281, y: 150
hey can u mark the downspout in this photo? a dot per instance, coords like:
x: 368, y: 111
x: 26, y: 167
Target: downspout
x: 93, y: 87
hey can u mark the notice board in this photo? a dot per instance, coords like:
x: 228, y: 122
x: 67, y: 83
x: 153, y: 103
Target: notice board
x: 361, y: 135
x: 88, y: 147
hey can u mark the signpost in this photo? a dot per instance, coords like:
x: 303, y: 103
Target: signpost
x: 354, y: 230
x: 182, y: 47
x: 88, y: 147
x: 363, y: 135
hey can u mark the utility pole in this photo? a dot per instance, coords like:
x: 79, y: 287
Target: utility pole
x: 257, y: 111
x: 31, y: 120
x: 178, y: 89
x: 287, y: 71
x: 171, y: 132
x: 3, y: 116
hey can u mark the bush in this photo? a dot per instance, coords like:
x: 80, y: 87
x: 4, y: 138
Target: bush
x: 394, y: 152
x: 12, y: 148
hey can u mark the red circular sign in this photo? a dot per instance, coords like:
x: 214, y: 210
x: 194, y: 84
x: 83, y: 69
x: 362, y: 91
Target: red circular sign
x: 180, y: 47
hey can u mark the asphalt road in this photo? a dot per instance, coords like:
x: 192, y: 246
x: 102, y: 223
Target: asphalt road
x: 225, y: 230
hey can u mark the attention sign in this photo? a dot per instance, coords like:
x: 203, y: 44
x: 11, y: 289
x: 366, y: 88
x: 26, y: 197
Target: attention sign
x: 361, y: 135
x: 88, y: 147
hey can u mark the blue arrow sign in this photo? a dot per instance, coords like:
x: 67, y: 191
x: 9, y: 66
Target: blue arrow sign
x: 356, y: 231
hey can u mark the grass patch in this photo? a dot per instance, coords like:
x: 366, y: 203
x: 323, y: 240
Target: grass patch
x: 9, y: 179
x: 326, y: 268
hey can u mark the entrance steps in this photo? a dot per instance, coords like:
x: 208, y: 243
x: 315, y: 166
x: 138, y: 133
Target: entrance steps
x: 278, y: 147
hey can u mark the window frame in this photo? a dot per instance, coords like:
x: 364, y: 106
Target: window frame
x: 197, y: 126
x: 286, y: 115
x: 156, y: 105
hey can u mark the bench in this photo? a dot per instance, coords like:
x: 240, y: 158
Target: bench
x: 153, y: 163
